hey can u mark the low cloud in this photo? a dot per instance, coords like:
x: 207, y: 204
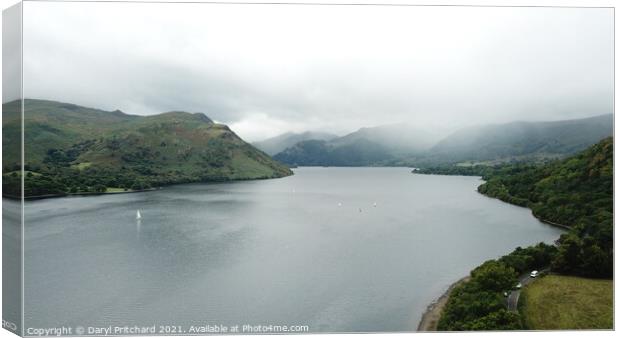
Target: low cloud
x: 268, y: 69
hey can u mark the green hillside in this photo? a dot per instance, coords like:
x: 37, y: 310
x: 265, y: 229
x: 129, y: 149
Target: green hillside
x: 576, y: 192
x: 71, y: 149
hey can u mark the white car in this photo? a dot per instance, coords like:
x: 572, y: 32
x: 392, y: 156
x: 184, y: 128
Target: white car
x: 534, y: 274
x: 518, y: 286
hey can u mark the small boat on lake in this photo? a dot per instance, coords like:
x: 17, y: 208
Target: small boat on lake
x: 138, y: 215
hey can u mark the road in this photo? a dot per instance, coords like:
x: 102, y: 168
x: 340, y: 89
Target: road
x: 513, y: 297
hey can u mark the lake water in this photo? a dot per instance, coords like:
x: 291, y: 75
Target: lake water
x: 310, y: 249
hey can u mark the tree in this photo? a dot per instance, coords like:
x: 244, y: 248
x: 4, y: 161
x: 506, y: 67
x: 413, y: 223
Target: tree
x: 498, y: 320
x: 99, y: 188
x: 494, y: 276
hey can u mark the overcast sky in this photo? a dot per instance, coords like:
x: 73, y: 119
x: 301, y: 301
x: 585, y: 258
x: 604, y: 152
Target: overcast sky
x: 269, y: 69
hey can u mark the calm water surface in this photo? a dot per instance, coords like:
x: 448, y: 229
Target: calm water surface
x: 310, y: 249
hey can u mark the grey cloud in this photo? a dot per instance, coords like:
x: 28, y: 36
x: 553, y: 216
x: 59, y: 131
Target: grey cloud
x: 270, y: 69
x: 11, y: 53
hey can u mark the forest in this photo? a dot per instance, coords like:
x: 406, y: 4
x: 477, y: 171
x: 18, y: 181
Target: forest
x: 479, y: 304
x: 576, y: 192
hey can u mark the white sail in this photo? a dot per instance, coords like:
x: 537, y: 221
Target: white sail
x: 138, y: 216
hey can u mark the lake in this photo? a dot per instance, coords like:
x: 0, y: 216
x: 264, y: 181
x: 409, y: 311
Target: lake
x: 337, y: 249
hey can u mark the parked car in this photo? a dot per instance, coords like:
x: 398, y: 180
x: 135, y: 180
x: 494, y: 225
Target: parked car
x: 518, y: 286
x: 534, y: 274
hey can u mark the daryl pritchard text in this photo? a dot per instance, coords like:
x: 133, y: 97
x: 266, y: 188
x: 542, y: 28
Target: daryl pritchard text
x: 163, y: 329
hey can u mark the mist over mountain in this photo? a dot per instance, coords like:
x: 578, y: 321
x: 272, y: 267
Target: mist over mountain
x: 396, y: 145
x: 278, y: 143
x: 522, y: 139
x: 366, y: 146
x: 397, y: 139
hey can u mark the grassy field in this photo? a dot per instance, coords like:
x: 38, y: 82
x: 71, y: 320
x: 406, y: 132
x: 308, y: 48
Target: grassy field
x: 116, y: 189
x: 565, y: 302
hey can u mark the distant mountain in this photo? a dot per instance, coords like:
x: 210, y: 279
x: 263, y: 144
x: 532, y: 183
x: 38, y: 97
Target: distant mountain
x: 277, y: 144
x: 397, y: 139
x: 365, y: 147
x: 69, y: 148
x: 404, y: 145
x: 323, y: 153
x: 522, y: 140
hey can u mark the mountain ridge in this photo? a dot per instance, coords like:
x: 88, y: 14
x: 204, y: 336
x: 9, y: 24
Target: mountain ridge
x: 368, y: 146
x: 519, y: 138
x: 276, y: 144
x: 519, y: 141
x: 72, y: 149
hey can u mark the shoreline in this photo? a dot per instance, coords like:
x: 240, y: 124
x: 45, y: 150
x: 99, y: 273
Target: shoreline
x: 40, y: 197
x: 564, y: 226
x: 430, y: 317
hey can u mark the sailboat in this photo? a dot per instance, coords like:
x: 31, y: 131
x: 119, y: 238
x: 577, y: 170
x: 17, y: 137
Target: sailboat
x: 138, y: 216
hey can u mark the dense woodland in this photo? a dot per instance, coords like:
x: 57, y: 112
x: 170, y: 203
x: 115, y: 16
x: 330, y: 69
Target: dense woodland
x: 479, y: 304
x: 576, y: 192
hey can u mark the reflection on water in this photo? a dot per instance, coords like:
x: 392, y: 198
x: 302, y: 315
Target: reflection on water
x: 289, y: 251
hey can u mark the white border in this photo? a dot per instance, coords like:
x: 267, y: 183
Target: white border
x: 508, y: 3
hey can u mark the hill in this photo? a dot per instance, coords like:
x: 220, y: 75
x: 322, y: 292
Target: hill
x: 72, y: 149
x: 365, y: 147
x: 323, y: 153
x: 403, y: 145
x: 576, y: 192
x: 522, y: 140
x: 279, y: 143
